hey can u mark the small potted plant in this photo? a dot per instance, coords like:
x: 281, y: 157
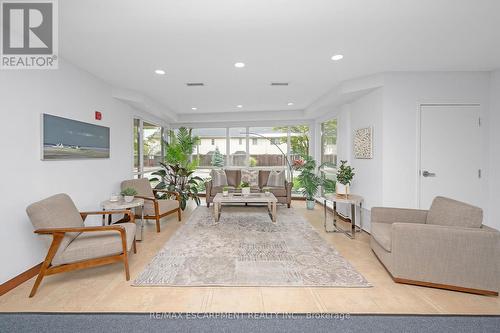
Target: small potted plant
x: 345, y: 175
x: 245, y: 188
x: 267, y: 191
x: 225, y: 191
x: 128, y: 194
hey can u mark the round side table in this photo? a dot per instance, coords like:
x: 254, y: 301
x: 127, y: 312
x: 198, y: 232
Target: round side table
x: 120, y: 205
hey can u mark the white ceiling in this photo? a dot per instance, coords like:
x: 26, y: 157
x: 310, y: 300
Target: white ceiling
x: 124, y: 41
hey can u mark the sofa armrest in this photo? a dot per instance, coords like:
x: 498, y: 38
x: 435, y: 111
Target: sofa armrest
x: 457, y: 256
x: 394, y: 215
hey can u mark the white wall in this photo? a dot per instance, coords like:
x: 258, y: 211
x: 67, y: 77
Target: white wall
x: 391, y: 178
x: 494, y: 176
x: 68, y: 92
x: 364, y: 112
x: 403, y: 94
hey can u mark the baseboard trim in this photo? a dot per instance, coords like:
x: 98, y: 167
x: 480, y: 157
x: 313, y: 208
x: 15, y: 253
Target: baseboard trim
x: 19, y: 279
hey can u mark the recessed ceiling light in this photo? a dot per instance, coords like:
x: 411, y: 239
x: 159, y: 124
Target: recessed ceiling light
x: 239, y: 106
x: 337, y: 57
x: 239, y: 65
x: 160, y: 72
x: 194, y: 109
x: 290, y: 104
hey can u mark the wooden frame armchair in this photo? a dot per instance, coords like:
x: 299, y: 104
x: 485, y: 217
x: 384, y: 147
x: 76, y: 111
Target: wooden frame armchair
x: 70, y: 248
x: 154, y: 208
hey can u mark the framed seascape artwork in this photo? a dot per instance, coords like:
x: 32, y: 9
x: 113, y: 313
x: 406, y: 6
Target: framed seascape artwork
x: 67, y: 139
x: 363, y: 143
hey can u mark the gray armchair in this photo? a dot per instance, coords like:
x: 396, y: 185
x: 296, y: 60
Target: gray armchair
x: 446, y: 247
x: 74, y: 246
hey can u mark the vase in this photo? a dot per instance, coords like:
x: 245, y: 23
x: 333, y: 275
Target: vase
x: 245, y: 190
x: 128, y: 198
x: 225, y: 193
x: 342, y: 189
x: 310, y: 204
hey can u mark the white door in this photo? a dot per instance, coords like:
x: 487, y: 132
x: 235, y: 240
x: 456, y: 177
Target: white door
x: 450, y: 153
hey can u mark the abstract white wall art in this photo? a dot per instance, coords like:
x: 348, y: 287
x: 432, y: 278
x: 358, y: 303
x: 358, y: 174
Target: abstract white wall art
x: 363, y: 143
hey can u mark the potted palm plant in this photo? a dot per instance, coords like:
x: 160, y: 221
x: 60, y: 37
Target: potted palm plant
x: 309, y: 179
x: 345, y: 175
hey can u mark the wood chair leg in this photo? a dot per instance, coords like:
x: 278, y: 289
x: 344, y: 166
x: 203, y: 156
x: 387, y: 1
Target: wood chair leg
x: 125, y: 263
x: 179, y: 214
x: 157, y: 224
x: 289, y: 205
x: 48, y: 260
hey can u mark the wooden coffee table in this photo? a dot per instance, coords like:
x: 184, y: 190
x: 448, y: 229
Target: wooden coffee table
x: 269, y: 199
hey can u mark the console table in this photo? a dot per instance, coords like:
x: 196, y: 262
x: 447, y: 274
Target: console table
x: 352, y: 200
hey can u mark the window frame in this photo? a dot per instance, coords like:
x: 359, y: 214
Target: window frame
x: 140, y: 146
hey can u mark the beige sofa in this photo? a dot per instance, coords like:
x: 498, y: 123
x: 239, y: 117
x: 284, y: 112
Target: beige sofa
x: 282, y: 193
x: 446, y: 247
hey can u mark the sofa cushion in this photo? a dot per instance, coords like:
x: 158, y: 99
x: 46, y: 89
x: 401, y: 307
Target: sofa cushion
x: 57, y: 211
x: 233, y: 177
x: 164, y: 205
x: 381, y: 233
x: 263, y: 176
x: 278, y: 191
x: 95, y: 244
x: 276, y: 178
x: 449, y: 212
x: 218, y: 177
x: 251, y: 177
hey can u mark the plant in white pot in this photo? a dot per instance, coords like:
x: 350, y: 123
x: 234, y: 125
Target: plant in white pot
x: 128, y: 194
x: 245, y: 188
x: 225, y: 191
x: 267, y: 191
x: 345, y: 175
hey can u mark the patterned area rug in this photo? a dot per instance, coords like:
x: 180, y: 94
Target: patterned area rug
x: 246, y: 249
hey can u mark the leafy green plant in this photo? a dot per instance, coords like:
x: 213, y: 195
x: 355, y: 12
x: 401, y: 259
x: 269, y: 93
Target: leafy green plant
x: 266, y: 189
x: 345, y: 173
x: 253, y: 161
x: 225, y: 188
x: 180, y: 179
x: 180, y: 147
x: 244, y: 184
x: 309, y: 179
x: 129, y: 192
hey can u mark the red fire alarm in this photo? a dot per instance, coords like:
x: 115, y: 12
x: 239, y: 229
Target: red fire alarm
x: 98, y: 115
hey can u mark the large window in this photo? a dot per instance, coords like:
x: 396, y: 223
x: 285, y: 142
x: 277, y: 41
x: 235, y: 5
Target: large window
x: 329, y: 147
x: 263, y: 153
x: 259, y: 147
x: 329, y: 141
x: 237, y: 147
x: 211, y: 151
x: 148, y: 148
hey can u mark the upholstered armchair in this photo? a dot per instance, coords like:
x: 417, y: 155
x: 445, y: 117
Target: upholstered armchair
x: 154, y: 208
x: 74, y: 246
x: 445, y: 247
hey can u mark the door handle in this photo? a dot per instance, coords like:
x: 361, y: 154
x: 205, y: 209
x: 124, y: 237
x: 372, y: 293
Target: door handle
x: 426, y: 173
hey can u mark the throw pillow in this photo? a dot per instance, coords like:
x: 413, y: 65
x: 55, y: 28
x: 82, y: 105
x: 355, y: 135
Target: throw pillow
x: 251, y: 177
x: 276, y: 178
x: 218, y: 178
